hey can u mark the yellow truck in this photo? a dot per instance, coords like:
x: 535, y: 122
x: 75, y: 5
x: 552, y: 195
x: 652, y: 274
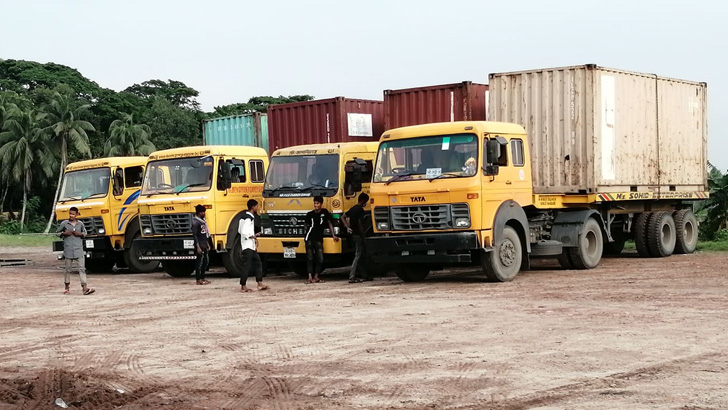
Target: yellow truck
x: 222, y: 178
x: 105, y: 191
x: 338, y: 172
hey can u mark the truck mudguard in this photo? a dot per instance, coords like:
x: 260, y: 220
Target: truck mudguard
x: 512, y: 211
x: 132, y: 228
x: 567, y: 226
x: 233, y: 229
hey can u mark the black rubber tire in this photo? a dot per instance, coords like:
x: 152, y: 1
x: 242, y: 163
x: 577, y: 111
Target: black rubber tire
x: 614, y: 248
x: 565, y: 260
x: 232, y: 260
x: 661, y: 236
x: 591, y: 245
x: 100, y: 265
x: 640, y: 227
x: 132, y: 261
x: 503, y: 263
x: 409, y: 273
x: 179, y: 269
x: 299, y: 268
x: 686, y: 229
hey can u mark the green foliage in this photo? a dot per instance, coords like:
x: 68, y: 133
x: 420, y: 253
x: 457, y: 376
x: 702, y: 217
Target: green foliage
x: 256, y: 104
x: 23, y: 76
x: 715, y: 209
x: 10, y: 228
x: 176, y: 92
x: 172, y: 126
x: 128, y: 138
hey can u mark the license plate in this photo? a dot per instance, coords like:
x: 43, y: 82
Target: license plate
x: 89, y: 243
x: 188, y: 243
x: 289, y: 253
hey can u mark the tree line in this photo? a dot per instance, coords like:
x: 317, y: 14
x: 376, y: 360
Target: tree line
x: 51, y: 115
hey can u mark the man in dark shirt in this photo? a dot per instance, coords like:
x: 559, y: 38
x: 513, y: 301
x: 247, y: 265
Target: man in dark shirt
x: 316, y: 221
x: 202, y: 244
x: 353, y: 220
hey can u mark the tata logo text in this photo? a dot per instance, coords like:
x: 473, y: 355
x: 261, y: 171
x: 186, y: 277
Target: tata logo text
x: 169, y: 208
x: 417, y: 198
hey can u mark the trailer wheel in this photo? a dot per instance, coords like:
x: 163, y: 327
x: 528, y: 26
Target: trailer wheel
x: 179, y: 269
x: 411, y: 273
x: 640, y: 233
x: 588, y: 253
x: 504, y: 262
x: 131, y: 258
x: 661, y: 236
x: 686, y: 228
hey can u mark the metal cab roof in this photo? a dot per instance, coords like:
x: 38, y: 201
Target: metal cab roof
x: 106, y: 162
x: 214, y: 150
x: 440, y: 128
x: 341, y: 147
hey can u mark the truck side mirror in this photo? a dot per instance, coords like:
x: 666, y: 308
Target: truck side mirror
x: 494, y: 152
x: 226, y: 174
x: 355, y: 175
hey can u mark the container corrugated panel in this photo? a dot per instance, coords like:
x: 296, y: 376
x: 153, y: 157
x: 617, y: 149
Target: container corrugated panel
x: 464, y: 101
x: 245, y: 129
x: 324, y: 121
x: 595, y: 129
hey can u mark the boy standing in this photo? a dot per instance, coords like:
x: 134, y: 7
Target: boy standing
x: 72, y: 231
x: 316, y: 221
x: 201, y: 234
x: 353, y: 220
x: 249, y: 233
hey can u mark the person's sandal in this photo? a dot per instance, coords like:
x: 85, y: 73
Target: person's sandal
x: 66, y: 292
x: 89, y: 291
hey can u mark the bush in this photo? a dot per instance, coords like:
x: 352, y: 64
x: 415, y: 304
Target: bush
x: 10, y: 228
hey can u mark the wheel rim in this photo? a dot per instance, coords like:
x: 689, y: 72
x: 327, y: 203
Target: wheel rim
x: 689, y: 232
x: 591, y: 243
x: 666, y: 234
x: 507, y: 253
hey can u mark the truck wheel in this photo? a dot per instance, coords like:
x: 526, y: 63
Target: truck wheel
x: 411, y: 273
x: 640, y: 233
x: 565, y: 260
x: 661, y: 236
x: 100, y: 265
x: 686, y: 228
x: 179, y: 269
x: 504, y: 262
x: 131, y: 258
x: 591, y: 244
x: 233, y: 259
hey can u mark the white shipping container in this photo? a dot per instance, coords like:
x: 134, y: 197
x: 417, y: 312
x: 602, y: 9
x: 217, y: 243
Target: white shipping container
x: 595, y: 129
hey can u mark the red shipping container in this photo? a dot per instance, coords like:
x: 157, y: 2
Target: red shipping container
x: 324, y: 121
x: 464, y: 101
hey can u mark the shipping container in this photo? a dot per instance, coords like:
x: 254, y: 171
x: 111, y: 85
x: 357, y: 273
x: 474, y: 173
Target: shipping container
x: 244, y: 129
x: 324, y: 121
x: 596, y: 129
x: 464, y: 101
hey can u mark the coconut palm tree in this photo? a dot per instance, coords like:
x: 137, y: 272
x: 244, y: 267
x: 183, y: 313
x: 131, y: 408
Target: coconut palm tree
x: 63, y: 115
x: 6, y: 106
x: 127, y: 138
x: 25, y: 151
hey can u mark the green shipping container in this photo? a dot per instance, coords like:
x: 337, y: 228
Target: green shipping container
x: 245, y: 129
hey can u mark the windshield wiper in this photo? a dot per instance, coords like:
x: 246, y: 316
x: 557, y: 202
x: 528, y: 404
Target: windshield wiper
x: 312, y: 186
x: 69, y: 198
x: 91, y: 195
x: 445, y: 174
x: 184, y: 187
x: 399, y: 176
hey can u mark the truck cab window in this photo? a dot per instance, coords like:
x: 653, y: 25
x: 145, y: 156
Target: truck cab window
x: 237, y: 173
x: 133, y: 176
x: 257, y: 171
x: 517, y: 152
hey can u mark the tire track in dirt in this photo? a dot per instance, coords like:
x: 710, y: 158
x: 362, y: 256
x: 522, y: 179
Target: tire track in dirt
x: 49, y: 386
x: 11, y: 351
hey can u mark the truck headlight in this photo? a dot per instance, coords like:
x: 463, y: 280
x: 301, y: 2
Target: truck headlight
x: 147, y: 231
x: 267, y: 231
x: 102, y: 231
x: 462, y: 222
x: 383, y: 226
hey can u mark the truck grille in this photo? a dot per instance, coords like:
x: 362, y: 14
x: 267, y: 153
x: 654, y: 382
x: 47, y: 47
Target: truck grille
x: 167, y: 224
x: 288, y: 224
x: 92, y: 225
x: 422, y: 217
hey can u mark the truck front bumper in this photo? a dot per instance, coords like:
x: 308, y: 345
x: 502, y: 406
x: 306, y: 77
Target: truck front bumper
x: 95, y: 248
x: 441, y: 248
x: 160, y: 249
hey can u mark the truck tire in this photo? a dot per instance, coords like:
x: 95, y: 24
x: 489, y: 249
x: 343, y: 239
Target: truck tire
x: 411, y: 273
x: 588, y: 253
x: 565, y: 260
x: 504, y: 262
x: 233, y: 259
x: 640, y: 233
x: 131, y: 258
x: 100, y: 265
x: 179, y: 269
x: 661, y: 237
x: 299, y: 268
x: 686, y: 229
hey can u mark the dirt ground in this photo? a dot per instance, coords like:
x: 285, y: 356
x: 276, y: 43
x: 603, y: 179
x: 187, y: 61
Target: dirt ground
x: 631, y: 334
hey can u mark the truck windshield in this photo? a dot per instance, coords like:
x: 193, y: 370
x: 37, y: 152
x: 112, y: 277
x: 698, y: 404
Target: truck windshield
x: 302, y: 175
x: 441, y: 156
x: 178, y: 175
x: 85, y: 183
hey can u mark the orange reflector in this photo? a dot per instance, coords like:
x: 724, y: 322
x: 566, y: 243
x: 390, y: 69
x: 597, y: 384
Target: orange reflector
x: 371, y: 201
x: 104, y: 211
x: 473, y: 196
x: 208, y: 206
x: 468, y: 128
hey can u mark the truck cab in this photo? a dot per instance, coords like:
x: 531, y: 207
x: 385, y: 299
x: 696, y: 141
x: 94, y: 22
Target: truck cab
x: 105, y: 191
x: 222, y: 178
x: 337, y: 172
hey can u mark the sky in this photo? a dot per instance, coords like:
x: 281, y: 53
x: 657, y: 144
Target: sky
x: 232, y: 50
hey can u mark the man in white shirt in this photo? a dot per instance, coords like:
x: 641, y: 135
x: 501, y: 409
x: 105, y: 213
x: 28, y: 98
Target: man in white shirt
x: 249, y: 241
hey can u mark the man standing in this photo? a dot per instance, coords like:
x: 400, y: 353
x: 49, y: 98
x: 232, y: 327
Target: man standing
x: 353, y: 220
x: 316, y: 220
x: 201, y: 233
x: 72, y: 231
x: 249, y: 233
